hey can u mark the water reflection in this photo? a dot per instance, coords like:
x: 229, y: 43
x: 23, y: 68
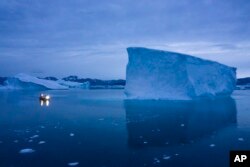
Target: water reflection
x: 158, y: 123
x: 44, y: 103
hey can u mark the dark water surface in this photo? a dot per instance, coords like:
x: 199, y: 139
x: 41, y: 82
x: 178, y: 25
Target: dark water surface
x: 98, y: 128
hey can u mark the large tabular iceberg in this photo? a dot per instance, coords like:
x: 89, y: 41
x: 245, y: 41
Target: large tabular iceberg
x: 156, y: 74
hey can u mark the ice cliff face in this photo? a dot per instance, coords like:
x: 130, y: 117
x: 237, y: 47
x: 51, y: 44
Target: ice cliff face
x: 156, y: 74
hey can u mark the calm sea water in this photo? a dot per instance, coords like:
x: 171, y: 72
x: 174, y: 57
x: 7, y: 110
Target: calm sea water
x: 98, y: 128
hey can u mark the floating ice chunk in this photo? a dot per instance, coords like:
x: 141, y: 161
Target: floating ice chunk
x: 212, y: 145
x: 145, y: 142
x: 156, y: 160
x: 240, y: 139
x: 41, y: 142
x: 26, y: 151
x: 156, y: 74
x: 73, y: 163
x: 165, y: 157
x: 71, y: 134
x: 182, y: 125
x: 35, y: 136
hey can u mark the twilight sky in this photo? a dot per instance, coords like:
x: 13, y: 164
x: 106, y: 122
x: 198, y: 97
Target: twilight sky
x: 89, y: 38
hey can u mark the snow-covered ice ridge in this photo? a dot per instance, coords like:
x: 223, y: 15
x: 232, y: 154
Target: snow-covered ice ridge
x: 156, y: 74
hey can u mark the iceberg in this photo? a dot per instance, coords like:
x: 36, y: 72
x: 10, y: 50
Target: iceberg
x: 156, y: 74
x: 24, y: 81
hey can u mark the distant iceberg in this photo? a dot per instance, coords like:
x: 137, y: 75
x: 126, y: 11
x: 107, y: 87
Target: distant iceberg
x: 24, y: 81
x: 156, y: 74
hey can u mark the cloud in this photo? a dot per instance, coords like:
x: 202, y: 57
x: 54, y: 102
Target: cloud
x: 87, y: 36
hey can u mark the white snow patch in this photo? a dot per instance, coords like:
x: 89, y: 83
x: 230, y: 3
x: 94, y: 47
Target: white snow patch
x: 71, y: 84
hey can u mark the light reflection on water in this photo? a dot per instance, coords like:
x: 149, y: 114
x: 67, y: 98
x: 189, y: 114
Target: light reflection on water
x: 44, y: 103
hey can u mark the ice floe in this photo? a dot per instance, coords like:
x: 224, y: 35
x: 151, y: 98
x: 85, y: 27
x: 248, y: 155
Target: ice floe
x: 165, y: 157
x: 212, y: 145
x: 156, y: 160
x: 26, y: 151
x: 35, y: 136
x: 73, y: 163
x: 240, y: 139
x: 41, y: 142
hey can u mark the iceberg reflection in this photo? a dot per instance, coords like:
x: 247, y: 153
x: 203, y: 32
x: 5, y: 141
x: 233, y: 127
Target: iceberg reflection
x: 159, y: 122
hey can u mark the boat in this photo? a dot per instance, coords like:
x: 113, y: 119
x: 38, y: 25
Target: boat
x: 44, y: 97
